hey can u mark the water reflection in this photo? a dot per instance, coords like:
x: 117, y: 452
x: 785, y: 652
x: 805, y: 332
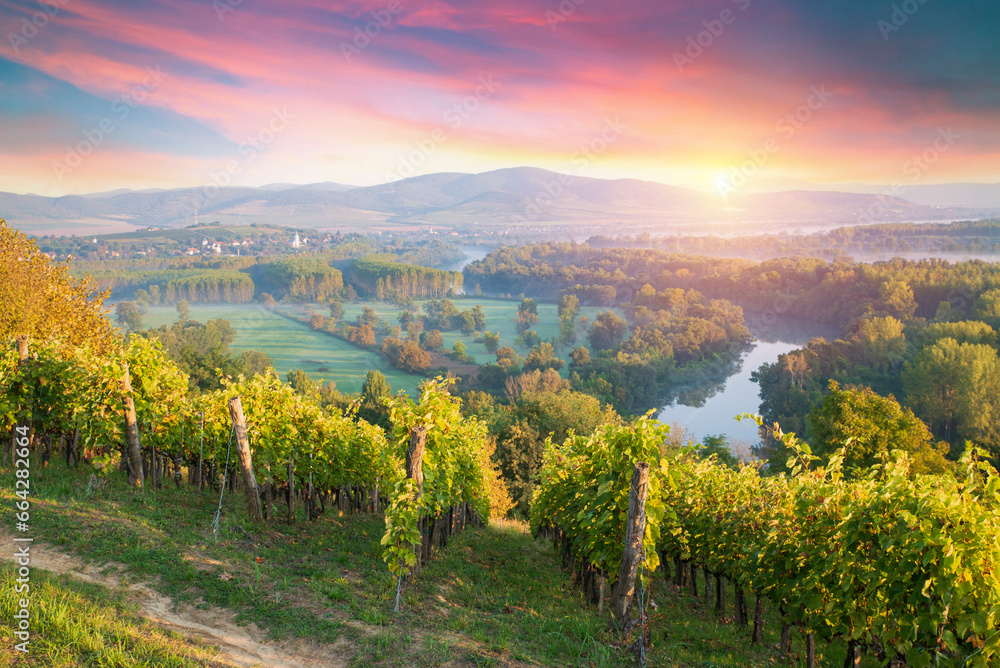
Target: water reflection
x: 710, y: 406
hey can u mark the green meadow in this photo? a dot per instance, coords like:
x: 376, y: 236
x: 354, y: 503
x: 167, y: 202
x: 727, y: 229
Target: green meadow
x: 499, y: 318
x: 293, y: 345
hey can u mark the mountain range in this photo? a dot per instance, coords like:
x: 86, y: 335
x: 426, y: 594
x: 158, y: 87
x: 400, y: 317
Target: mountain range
x: 501, y: 200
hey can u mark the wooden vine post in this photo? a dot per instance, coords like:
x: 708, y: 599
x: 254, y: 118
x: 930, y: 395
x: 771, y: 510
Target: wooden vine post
x: 201, y: 450
x: 415, y: 471
x: 133, y: 449
x: 23, y: 424
x: 246, y: 464
x: 635, y: 528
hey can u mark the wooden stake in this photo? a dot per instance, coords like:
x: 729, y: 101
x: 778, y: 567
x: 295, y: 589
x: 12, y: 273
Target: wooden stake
x: 133, y: 449
x: 415, y: 471
x: 246, y: 463
x: 201, y: 449
x: 741, y: 607
x: 853, y: 658
x: 291, y: 490
x: 758, y: 618
x: 269, y: 496
x: 635, y: 528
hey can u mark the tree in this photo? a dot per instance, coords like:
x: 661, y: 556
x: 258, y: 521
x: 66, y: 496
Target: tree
x: 527, y: 315
x: 374, y: 394
x: 607, y: 331
x: 569, y: 305
x: 128, y: 315
x: 718, y: 447
x: 336, y: 310
x: 508, y: 359
x: 363, y: 336
x: 956, y: 387
x: 317, y: 321
x: 183, y: 309
x: 466, y: 323
x: 491, y: 341
x: 432, y: 340
x: 201, y: 350
x: 441, y: 314
x: 871, y: 427
x: 459, y: 352
x: 543, y: 357
x: 536, y: 415
x: 987, y: 308
x: 479, y: 318
x: 412, y: 358
x: 579, y: 356
x: 302, y: 383
x: 963, y: 331
x: 882, y: 342
x: 40, y: 300
x: 350, y: 294
x: 256, y: 362
x: 896, y: 299
x: 529, y: 339
x: 414, y: 329
x: 369, y: 317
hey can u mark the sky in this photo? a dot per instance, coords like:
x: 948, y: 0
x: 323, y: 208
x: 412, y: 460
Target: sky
x: 97, y: 95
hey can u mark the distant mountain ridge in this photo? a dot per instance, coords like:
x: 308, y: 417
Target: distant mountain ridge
x: 523, y: 196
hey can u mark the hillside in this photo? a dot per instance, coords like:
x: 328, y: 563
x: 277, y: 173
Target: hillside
x: 502, y: 201
x: 316, y: 593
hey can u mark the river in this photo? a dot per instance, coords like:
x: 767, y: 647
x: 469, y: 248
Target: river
x: 738, y: 394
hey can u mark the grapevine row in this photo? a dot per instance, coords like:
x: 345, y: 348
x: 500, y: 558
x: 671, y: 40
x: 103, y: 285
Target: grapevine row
x: 77, y: 394
x: 903, y: 566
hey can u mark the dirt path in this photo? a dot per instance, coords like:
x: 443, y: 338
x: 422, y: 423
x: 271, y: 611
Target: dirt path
x: 240, y: 645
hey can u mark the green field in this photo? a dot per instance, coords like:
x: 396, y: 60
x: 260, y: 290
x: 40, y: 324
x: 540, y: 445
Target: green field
x: 292, y: 345
x: 499, y: 318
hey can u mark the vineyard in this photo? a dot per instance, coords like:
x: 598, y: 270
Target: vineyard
x: 131, y: 407
x: 886, y: 565
x: 899, y: 567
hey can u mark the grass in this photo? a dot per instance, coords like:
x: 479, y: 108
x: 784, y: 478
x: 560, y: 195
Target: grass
x: 74, y: 623
x: 293, y: 345
x: 499, y: 318
x: 493, y: 597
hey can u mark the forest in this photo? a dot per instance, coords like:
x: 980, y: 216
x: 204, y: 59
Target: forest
x: 979, y: 237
